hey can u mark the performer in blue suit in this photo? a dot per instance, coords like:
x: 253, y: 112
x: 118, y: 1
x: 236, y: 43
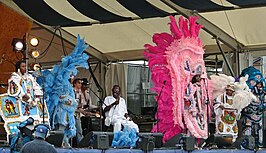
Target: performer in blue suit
x: 253, y: 113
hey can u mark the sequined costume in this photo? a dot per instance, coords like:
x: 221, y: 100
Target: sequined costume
x: 253, y: 113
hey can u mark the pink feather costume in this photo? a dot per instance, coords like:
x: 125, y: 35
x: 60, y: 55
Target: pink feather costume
x: 176, y: 59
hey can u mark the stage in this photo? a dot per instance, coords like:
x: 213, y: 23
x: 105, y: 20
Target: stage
x: 163, y: 150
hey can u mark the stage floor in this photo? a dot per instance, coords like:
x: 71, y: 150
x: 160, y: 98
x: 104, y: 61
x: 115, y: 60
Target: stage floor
x: 84, y: 150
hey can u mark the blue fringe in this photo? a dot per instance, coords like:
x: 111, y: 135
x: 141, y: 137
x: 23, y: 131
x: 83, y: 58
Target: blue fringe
x: 126, y: 138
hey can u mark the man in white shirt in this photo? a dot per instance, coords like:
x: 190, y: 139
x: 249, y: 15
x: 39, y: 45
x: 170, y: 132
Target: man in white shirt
x: 115, y: 109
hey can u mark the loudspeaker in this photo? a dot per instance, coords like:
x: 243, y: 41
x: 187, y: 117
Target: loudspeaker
x: 221, y: 140
x: 3, y: 133
x: 181, y: 141
x: 157, y: 138
x: 189, y: 143
x: 175, y: 141
x: 55, y: 138
x: 147, y: 143
x: 97, y: 140
x: 247, y: 142
x: 27, y: 131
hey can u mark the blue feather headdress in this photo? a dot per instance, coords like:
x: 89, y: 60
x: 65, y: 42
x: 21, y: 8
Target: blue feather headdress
x: 254, y: 77
x: 59, y: 92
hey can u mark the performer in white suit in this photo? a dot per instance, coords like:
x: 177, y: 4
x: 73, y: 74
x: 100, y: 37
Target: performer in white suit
x: 116, y: 111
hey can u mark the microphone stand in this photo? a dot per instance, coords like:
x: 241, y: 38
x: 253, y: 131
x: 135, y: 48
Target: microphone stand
x: 207, y: 104
x: 43, y: 91
x: 101, y: 102
x: 157, y: 115
x: 100, y: 90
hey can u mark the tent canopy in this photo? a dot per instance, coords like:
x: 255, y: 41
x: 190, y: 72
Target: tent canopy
x: 118, y: 29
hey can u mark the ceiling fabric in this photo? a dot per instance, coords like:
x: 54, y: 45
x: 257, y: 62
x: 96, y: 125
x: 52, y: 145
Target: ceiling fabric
x: 200, y: 5
x: 248, y: 3
x: 114, y: 27
x: 143, y: 8
x: 96, y: 12
x: 44, y: 14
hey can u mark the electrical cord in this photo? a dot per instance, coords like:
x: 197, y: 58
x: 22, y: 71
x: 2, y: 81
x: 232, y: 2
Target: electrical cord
x: 93, y: 71
x: 49, y: 45
x: 62, y: 42
x: 147, y: 146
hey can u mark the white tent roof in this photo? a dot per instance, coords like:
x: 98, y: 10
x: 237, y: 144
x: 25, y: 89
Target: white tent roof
x: 125, y: 40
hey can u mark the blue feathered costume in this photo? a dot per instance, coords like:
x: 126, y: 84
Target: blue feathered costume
x: 59, y: 93
x: 253, y: 113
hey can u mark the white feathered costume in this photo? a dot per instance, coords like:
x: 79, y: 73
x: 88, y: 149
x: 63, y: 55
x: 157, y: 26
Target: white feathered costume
x: 227, y: 108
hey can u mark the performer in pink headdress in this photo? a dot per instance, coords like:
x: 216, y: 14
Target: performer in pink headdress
x: 177, y: 61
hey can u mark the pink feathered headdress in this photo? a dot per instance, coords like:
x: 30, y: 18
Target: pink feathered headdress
x: 176, y: 58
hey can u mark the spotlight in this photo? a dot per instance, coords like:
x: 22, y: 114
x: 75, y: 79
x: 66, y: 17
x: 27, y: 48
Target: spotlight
x: 19, y: 44
x: 34, y: 42
x: 35, y: 53
x: 36, y: 67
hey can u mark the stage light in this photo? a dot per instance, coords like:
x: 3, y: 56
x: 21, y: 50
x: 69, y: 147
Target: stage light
x: 19, y: 44
x: 36, y: 67
x: 34, y: 42
x: 35, y: 53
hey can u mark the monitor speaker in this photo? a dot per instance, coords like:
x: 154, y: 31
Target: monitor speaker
x: 181, y: 141
x: 175, y: 141
x: 157, y: 138
x: 247, y: 142
x: 97, y: 140
x: 147, y: 143
x: 189, y: 143
x: 221, y: 140
x: 55, y: 138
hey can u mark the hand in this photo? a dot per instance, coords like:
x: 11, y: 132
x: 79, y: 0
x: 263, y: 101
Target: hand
x: 127, y: 117
x: 116, y: 102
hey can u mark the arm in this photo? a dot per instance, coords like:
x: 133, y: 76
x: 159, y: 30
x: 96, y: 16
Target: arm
x: 80, y: 110
x: 107, y: 108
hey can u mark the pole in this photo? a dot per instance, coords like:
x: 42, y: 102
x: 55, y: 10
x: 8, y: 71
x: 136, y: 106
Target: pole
x: 157, y: 115
x: 101, y: 103
x: 43, y: 91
